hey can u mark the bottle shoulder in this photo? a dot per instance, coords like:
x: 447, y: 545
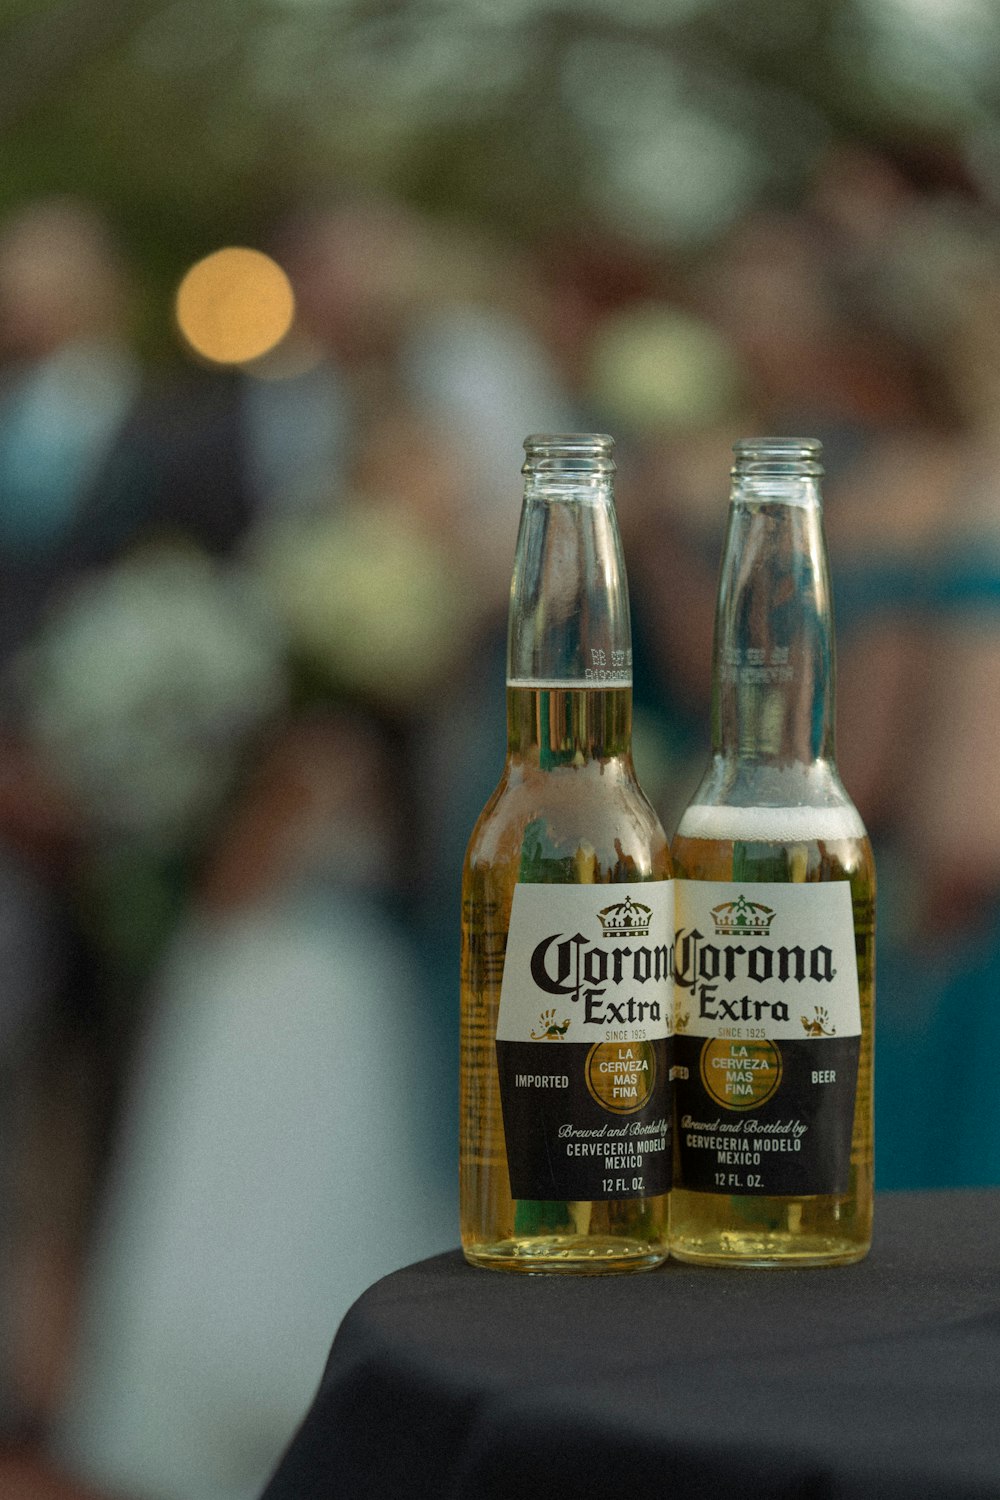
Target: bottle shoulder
x: 743, y: 799
x: 595, y: 814
x: 773, y: 823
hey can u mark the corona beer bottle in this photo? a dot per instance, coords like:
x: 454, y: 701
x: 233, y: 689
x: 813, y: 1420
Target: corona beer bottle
x: 565, y: 1152
x: 774, y: 950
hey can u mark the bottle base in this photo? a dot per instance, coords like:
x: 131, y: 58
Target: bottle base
x: 567, y: 1255
x: 768, y: 1251
x: 710, y: 1229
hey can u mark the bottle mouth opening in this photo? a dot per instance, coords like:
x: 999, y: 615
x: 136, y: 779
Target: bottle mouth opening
x: 569, y: 453
x: 790, y: 457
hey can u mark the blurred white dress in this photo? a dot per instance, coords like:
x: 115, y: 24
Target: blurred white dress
x: 290, y: 1140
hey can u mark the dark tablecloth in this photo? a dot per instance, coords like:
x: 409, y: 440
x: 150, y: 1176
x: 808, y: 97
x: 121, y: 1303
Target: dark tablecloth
x: 868, y: 1382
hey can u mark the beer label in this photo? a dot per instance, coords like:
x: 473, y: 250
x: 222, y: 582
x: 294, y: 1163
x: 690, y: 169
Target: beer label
x: 768, y: 1022
x: 583, y: 1041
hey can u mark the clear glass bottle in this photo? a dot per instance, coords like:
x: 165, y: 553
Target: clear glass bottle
x: 775, y: 896
x: 565, y: 1151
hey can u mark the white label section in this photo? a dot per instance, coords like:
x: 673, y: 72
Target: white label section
x: 588, y: 963
x: 775, y: 960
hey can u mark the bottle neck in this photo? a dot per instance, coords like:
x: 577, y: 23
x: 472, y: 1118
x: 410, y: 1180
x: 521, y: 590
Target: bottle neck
x: 569, y: 644
x: 567, y: 726
x: 774, y: 669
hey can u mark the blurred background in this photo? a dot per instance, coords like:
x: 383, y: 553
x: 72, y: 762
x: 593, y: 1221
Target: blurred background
x: 283, y: 285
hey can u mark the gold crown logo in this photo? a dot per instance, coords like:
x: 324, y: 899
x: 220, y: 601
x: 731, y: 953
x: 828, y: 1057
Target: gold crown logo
x: 628, y: 917
x: 742, y: 918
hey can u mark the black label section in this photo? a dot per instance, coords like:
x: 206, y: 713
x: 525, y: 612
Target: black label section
x: 586, y: 1122
x: 771, y: 1118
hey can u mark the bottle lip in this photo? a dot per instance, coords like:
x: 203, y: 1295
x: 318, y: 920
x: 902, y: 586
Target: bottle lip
x: 570, y: 453
x: 789, y: 457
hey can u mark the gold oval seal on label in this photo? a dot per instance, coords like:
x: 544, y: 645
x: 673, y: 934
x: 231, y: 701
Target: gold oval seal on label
x: 621, y: 1075
x: 738, y: 1074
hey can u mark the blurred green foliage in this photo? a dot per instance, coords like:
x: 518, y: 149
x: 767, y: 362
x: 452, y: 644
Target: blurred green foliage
x: 192, y: 122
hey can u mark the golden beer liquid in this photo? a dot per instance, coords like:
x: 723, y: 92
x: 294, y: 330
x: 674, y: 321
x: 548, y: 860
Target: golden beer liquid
x: 721, y: 1229
x: 568, y: 809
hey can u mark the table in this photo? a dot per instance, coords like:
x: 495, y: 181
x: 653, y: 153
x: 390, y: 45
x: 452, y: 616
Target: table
x: 868, y: 1382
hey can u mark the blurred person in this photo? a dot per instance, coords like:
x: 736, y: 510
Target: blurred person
x: 919, y: 679
x: 357, y: 266
x: 953, y: 815
x: 884, y: 522
x: 74, y: 477
x: 892, y: 486
x: 482, y: 377
x: 915, y: 537
x: 815, y: 363
x: 77, y: 485
x: 408, y: 314
x: 289, y: 1137
x: 956, y: 815
x: 372, y: 588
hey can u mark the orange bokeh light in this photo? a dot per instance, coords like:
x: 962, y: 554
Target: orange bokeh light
x: 235, y: 305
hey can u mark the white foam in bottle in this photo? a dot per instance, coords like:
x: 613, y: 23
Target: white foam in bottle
x: 771, y: 825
